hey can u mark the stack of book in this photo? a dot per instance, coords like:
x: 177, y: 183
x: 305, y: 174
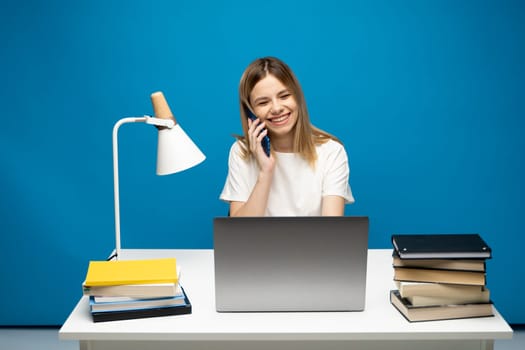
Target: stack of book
x: 440, y: 276
x: 129, y: 289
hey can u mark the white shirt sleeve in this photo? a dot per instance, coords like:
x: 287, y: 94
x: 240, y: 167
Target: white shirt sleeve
x: 239, y: 182
x: 336, y: 171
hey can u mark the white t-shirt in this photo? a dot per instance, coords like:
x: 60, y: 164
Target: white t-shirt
x: 297, y: 188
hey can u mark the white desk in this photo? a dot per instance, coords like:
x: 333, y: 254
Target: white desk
x: 380, y: 326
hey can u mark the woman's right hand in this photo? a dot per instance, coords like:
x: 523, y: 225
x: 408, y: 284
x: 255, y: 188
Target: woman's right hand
x: 256, y: 132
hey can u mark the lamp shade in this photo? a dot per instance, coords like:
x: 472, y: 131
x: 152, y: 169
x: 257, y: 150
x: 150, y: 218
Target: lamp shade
x: 176, y: 151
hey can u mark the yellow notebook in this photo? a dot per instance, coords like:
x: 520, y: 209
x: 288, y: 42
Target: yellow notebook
x: 144, y: 271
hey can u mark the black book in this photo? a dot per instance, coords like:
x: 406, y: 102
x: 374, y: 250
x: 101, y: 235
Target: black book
x: 143, y: 313
x: 441, y: 246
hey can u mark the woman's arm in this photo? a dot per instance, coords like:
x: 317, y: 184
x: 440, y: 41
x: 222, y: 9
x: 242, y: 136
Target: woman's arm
x: 258, y: 199
x: 335, y: 182
x: 333, y: 206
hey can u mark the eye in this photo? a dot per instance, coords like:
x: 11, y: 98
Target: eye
x: 285, y: 95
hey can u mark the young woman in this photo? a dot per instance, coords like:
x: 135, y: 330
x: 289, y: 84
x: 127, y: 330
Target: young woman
x: 307, y: 170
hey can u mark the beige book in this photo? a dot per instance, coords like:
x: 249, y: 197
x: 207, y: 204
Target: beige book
x: 440, y: 312
x: 423, y: 300
x: 441, y: 264
x: 408, y: 289
x: 439, y: 276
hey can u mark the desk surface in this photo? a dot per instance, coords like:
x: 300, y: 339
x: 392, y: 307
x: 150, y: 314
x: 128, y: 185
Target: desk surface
x: 379, y: 321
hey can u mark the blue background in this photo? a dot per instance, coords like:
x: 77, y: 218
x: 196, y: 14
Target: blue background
x: 428, y: 97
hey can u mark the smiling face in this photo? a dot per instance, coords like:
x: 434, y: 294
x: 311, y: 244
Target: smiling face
x: 270, y: 88
x: 276, y: 106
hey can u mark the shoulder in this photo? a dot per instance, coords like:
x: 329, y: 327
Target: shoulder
x: 238, y: 153
x: 331, y: 154
x: 330, y: 147
x: 236, y: 149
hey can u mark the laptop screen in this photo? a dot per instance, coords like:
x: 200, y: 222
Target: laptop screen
x: 290, y: 263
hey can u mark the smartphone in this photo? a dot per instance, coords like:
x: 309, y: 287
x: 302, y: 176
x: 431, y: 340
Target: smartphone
x: 265, y: 143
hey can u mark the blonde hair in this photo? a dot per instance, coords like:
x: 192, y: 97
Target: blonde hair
x: 306, y: 136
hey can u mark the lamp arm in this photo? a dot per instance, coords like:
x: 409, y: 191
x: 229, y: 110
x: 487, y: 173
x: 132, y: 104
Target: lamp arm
x: 143, y: 119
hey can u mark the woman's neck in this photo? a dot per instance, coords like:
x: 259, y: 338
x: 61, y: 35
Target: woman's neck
x: 281, y: 144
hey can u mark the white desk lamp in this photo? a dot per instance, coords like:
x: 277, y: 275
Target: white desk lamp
x: 175, y: 151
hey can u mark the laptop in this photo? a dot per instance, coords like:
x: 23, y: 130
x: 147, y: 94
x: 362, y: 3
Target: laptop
x: 284, y: 264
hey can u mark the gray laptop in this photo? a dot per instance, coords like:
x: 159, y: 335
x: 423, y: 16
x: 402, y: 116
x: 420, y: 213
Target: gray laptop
x: 290, y: 263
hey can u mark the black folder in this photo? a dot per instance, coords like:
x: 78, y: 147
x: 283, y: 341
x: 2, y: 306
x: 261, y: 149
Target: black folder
x: 143, y: 313
x: 441, y: 246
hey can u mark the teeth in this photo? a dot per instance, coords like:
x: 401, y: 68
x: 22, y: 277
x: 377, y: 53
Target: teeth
x: 280, y: 119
